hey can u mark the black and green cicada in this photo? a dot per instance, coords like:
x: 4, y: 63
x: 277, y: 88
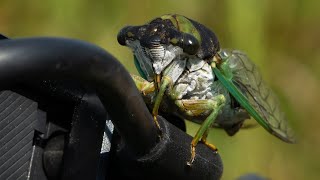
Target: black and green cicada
x: 185, y: 73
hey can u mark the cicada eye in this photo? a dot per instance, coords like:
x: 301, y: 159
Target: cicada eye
x: 189, y: 44
x: 124, y: 34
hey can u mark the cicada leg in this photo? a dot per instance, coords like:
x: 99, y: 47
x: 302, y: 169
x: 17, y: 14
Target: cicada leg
x: 204, y: 140
x: 144, y: 86
x: 196, y: 107
x: 164, y: 84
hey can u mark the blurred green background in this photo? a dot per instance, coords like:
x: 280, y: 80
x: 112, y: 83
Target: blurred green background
x: 281, y: 37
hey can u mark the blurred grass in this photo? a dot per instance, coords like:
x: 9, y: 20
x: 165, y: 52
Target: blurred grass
x: 281, y: 37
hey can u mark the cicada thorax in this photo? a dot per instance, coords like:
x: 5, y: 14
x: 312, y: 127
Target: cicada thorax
x: 192, y: 37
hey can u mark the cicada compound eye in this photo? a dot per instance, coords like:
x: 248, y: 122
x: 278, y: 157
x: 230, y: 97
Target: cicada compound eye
x: 189, y: 44
x: 124, y: 34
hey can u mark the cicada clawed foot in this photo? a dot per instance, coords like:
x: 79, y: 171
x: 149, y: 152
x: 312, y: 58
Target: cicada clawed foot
x: 211, y: 146
x: 193, y: 150
x: 193, y: 155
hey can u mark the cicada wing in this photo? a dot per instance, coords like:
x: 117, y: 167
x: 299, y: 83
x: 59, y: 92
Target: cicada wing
x: 249, y: 89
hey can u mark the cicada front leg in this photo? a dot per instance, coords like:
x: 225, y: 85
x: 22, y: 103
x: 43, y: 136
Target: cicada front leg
x: 165, y: 83
x: 144, y: 86
x: 197, y: 107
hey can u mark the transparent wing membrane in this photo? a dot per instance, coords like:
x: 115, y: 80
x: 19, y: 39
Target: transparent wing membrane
x: 247, y: 79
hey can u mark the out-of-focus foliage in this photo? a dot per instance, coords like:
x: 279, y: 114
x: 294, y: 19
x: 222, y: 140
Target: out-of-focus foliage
x: 281, y: 37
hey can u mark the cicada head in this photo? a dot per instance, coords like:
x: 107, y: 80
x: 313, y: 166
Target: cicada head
x: 166, y: 38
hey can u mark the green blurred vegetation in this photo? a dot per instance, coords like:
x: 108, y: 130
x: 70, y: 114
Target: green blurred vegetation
x: 282, y: 37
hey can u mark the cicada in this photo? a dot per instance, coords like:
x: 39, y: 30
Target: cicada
x: 184, y: 72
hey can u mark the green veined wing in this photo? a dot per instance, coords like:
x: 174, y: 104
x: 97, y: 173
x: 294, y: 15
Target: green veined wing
x: 242, y: 79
